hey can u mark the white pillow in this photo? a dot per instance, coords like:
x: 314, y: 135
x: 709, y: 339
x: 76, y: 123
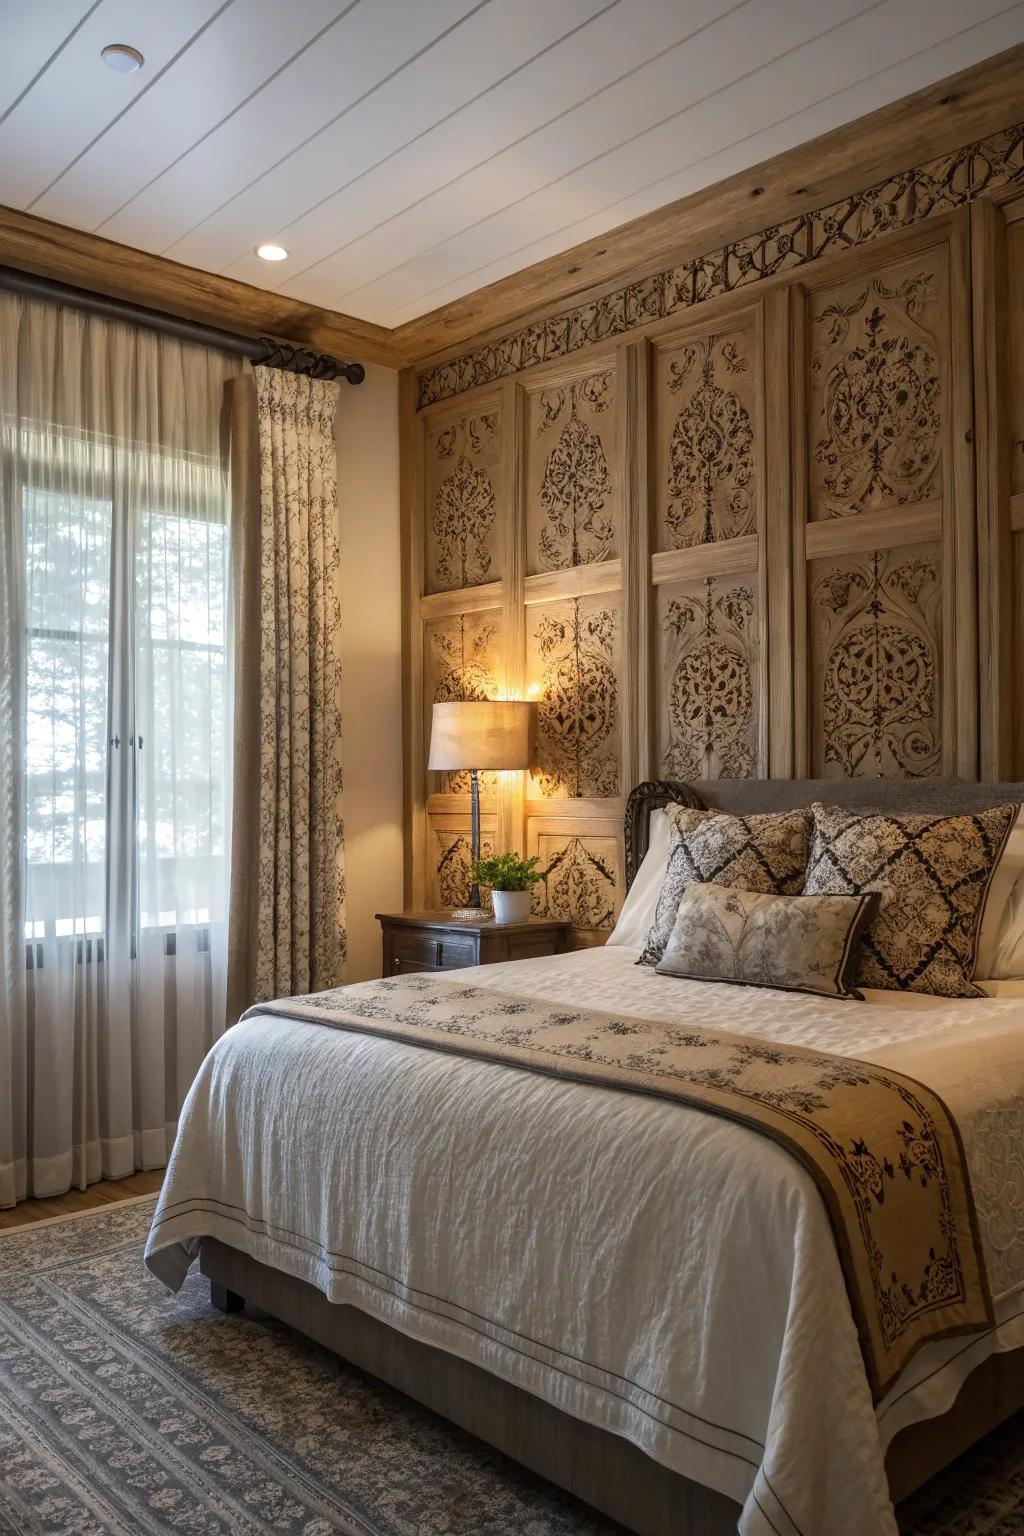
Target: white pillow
x: 1001, y: 940
x: 637, y: 913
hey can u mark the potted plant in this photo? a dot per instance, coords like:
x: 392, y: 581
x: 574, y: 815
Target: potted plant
x: 510, y: 879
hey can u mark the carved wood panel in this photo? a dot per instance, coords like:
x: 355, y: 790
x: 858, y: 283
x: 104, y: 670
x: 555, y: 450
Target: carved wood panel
x: 876, y: 627
x: 750, y: 537
x: 463, y: 499
x: 582, y: 872
x: 573, y: 672
x: 708, y: 474
x: 572, y: 510
x: 450, y: 861
x: 462, y: 659
x: 707, y: 678
x: 878, y: 346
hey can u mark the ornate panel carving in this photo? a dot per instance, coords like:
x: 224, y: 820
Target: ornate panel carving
x: 449, y: 857
x: 948, y: 182
x: 572, y: 512
x: 707, y: 439
x: 573, y: 671
x: 875, y: 391
x: 876, y: 641
x: 462, y: 522
x: 461, y: 660
x: 707, y: 681
x: 582, y: 876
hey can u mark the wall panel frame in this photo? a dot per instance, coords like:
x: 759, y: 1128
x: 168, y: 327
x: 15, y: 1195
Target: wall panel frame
x: 788, y: 503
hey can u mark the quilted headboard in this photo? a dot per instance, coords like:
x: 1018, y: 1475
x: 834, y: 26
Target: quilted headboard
x: 746, y: 797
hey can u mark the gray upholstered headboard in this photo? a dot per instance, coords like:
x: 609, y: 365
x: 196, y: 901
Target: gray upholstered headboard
x: 747, y: 797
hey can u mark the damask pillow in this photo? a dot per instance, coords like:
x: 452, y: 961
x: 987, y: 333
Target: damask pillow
x: 796, y: 943
x: 765, y: 853
x: 933, y: 874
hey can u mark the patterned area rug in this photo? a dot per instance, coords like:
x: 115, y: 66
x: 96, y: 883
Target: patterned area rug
x: 125, y: 1410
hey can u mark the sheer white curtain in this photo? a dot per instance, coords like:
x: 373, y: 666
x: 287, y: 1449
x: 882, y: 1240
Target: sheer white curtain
x: 114, y: 719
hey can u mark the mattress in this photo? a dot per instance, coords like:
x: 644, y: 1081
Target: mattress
x: 665, y: 1274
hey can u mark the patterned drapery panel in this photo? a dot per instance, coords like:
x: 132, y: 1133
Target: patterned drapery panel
x: 288, y: 885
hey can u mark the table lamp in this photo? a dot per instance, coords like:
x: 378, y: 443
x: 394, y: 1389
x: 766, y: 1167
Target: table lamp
x: 480, y: 734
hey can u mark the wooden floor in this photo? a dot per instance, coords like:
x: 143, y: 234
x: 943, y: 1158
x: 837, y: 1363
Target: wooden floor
x: 107, y: 1192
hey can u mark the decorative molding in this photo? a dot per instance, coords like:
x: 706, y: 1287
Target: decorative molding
x: 951, y: 181
x: 85, y: 260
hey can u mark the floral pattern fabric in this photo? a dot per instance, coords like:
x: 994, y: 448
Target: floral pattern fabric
x: 933, y: 874
x: 766, y: 853
x: 797, y: 943
x: 299, y: 928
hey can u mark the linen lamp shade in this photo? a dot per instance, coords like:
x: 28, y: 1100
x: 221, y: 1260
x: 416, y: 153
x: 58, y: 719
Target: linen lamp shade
x: 478, y: 734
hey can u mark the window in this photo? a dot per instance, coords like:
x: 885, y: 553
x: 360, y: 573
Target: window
x: 126, y: 692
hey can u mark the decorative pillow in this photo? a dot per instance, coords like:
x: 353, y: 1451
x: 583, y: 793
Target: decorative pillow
x: 637, y: 913
x: 933, y: 873
x: 798, y: 943
x: 1000, y: 953
x: 755, y: 853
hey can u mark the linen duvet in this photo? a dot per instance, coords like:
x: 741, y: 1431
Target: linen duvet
x: 666, y: 1274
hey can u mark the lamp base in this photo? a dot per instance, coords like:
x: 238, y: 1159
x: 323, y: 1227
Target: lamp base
x: 471, y: 914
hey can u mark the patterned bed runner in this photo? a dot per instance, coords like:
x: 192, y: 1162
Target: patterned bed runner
x: 883, y: 1149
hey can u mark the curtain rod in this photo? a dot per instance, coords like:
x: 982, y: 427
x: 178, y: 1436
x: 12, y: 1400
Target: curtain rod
x: 263, y: 350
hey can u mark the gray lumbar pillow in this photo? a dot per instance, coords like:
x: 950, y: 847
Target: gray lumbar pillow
x: 797, y: 943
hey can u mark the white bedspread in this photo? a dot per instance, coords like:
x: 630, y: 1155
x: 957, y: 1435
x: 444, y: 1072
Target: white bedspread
x: 666, y: 1274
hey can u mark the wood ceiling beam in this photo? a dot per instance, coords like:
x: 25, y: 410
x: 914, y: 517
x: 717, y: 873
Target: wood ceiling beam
x: 931, y: 122
x: 88, y: 261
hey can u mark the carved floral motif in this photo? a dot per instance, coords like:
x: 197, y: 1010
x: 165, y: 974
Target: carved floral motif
x: 709, y: 671
x: 463, y: 653
x: 578, y: 886
x: 879, y: 703
x: 453, y: 866
x: 463, y: 517
x: 576, y: 486
x: 579, y: 707
x: 710, y: 452
x: 462, y: 524
x: 879, y: 399
x: 950, y: 181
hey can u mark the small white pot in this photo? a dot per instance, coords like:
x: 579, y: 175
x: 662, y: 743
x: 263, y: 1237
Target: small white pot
x: 511, y: 906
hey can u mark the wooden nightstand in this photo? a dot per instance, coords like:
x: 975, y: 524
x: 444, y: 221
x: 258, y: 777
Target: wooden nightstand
x: 435, y: 941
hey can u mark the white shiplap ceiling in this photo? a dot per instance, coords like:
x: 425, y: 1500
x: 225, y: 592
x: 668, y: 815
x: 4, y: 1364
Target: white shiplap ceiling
x: 408, y: 151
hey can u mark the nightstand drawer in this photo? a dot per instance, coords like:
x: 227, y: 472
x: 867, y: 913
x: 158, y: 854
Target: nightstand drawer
x: 456, y: 952
x: 442, y: 952
x: 420, y: 948
x: 433, y: 941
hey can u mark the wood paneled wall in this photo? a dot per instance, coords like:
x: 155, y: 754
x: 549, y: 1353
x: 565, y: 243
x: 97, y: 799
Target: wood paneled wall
x: 778, y: 532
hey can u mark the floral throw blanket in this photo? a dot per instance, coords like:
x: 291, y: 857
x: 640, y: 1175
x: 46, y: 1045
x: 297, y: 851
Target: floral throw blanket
x: 883, y: 1149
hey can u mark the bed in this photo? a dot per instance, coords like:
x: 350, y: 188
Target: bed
x: 639, y: 1301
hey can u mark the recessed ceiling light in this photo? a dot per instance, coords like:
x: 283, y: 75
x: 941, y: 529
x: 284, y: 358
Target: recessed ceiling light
x: 272, y: 252
x: 122, y: 59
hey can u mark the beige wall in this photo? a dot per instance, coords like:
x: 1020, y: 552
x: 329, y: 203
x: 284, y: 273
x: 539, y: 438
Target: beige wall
x: 372, y: 653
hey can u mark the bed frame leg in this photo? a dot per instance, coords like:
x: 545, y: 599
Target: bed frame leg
x: 225, y: 1300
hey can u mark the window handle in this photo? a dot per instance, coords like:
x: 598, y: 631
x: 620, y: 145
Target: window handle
x: 115, y: 741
